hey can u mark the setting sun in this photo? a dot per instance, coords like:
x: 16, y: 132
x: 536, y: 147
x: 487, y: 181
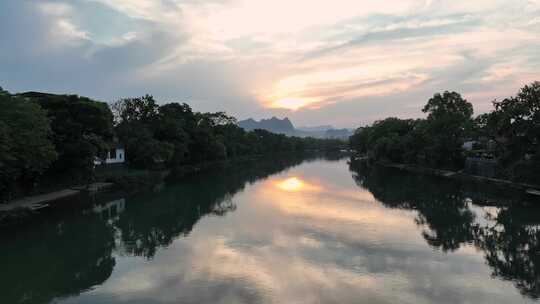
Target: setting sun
x: 271, y: 130
x: 292, y: 103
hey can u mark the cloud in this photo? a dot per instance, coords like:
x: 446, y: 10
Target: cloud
x: 340, y: 62
x: 395, y: 30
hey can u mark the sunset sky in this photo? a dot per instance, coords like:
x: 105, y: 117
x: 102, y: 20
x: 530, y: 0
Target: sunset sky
x: 340, y: 62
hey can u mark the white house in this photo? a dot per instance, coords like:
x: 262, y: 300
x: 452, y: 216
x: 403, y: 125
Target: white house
x: 115, y: 155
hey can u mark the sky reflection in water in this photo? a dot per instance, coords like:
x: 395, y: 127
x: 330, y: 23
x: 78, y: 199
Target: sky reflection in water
x: 309, y: 234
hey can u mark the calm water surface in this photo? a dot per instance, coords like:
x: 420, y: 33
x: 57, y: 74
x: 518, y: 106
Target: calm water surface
x: 318, y: 231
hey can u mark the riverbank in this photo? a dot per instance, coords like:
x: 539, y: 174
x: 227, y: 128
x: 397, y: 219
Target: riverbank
x: 528, y: 189
x: 135, y: 180
x: 121, y: 178
x: 22, y: 209
x: 37, y: 202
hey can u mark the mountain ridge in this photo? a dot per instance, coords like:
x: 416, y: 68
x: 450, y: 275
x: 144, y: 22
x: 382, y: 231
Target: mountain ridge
x: 285, y: 126
x: 274, y: 124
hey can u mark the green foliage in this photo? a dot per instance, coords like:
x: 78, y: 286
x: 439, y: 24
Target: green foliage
x: 144, y: 150
x: 510, y: 133
x: 515, y: 123
x: 25, y: 148
x: 435, y: 141
x: 174, y: 135
x: 143, y: 109
x: 81, y: 128
x: 63, y: 134
x: 447, y: 125
x: 514, y: 126
x: 449, y: 103
x: 389, y: 139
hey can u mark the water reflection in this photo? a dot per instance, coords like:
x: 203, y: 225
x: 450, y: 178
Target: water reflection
x: 110, y: 209
x: 280, y: 232
x: 512, y: 246
x: 295, y: 184
x: 146, y: 227
x: 454, y: 215
x: 55, y: 258
x: 66, y: 254
x: 291, y: 184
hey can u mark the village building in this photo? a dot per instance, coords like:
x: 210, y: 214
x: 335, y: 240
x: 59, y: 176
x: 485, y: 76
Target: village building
x: 115, y: 155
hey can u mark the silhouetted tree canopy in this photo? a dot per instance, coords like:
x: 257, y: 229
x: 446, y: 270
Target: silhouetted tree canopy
x: 174, y: 135
x: 437, y: 141
x: 62, y: 135
x: 26, y: 150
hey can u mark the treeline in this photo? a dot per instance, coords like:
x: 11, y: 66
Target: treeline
x: 60, y: 136
x: 53, y: 134
x: 175, y: 135
x: 510, y: 134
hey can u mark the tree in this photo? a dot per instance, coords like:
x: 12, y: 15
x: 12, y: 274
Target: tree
x: 174, y: 124
x: 180, y: 136
x: 26, y: 150
x: 386, y: 139
x: 448, y: 123
x: 136, y: 120
x: 142, y: 109
x: 449, y: 103
x: 515, y: 126
x: 81, y: 128
x: 435, y: 141
x: 144, y: 150
x: 154, y: 134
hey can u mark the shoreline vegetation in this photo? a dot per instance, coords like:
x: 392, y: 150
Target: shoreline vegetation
x: 129, y: 181
x: 49, y: 141
x: 522, y: 189
x: 499, y: 147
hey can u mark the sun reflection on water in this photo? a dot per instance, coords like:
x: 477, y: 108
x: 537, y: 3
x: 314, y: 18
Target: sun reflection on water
x: 297, y: 184
x: 291, y: 184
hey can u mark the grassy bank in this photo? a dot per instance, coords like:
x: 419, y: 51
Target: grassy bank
x: 454, y: 175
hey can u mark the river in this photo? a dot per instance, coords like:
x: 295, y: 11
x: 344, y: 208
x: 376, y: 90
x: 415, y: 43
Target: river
x: 288, y: 231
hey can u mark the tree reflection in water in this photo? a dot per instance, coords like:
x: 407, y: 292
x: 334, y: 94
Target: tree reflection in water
x: 66, y: 254
x: 509, y: 237
x: 147, y: 226
x: 55, y: 258
x: 512, y: 247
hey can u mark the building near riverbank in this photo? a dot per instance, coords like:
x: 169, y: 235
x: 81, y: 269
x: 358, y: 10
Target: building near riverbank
x: 116, y: 155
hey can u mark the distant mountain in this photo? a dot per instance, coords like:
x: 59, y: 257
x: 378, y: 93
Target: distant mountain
x: 285, y: 126
x: 338, y: 133
x: 316, y: 128
x: 275, y: 125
